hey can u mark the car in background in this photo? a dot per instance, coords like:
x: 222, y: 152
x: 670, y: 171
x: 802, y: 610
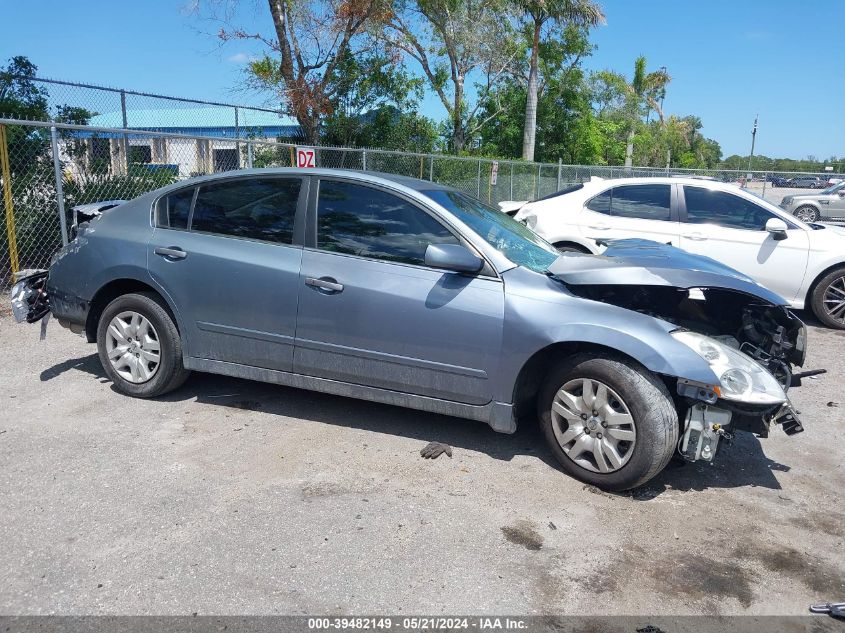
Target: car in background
x: 779, y: 181
x: 415, y: 294
x: 804, y: 263
x: 811, y: 207
x: 805, y: 182
x: 833, y: 180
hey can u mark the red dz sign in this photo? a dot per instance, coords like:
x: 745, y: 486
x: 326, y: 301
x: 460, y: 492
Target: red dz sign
x: 306, y: 157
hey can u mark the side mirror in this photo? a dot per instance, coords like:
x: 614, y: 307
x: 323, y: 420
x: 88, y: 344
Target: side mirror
x: 453, y: 257
x: 777, y: 228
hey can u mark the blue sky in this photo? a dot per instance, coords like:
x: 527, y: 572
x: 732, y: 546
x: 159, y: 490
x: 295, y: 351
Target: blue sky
x: 729, y: 60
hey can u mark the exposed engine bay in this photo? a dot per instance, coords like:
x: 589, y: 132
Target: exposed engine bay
x: 769, y: 334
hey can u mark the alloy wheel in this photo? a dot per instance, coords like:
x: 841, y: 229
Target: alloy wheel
x: 132, y: 347
x: 806, y: 214
x: 593, y: 425
x: 834, y: 299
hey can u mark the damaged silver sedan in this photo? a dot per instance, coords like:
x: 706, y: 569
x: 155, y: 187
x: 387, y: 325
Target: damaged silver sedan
x: 406, y: 292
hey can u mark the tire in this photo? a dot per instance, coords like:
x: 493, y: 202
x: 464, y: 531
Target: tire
x: 569, y: 247
x: 654, y: 421
x: 128, y: 375
x: 810, y: 213
x: 832, y: 287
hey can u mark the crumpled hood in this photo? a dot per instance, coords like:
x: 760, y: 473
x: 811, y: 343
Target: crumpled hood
x: 638, y: 262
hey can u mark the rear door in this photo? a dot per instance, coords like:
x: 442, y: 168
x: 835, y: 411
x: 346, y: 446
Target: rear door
x: 644, y: 211
x: 732, y: 229
x: 372, y: 313
x: 228, y: 256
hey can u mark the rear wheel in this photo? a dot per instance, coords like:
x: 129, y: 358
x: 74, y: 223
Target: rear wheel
x: 828, y: 299
x: 139, y: 346
x: 609, y: 422
x: 807, y: 214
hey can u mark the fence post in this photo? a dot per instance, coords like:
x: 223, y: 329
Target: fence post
x: 364, y: 160
x: 478, y: 187
x: 511, y: 196
x: 237, y: 139
x: 765, y: 180
x: 249, y: 156
x: 125, y: 125
x: 431, y: 169
x: 60, y: 194
x: 539, y: 176
x: 5, y: 172
x: 559, y: 168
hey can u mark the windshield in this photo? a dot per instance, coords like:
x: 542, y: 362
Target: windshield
x: 834, y: 188
x: 517, y: 242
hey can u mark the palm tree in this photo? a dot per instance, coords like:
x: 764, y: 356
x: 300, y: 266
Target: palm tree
x: 644, y: 89
x: 537, y: 14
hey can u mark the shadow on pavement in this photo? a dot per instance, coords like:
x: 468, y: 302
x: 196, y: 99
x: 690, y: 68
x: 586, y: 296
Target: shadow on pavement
x: 740, y: 464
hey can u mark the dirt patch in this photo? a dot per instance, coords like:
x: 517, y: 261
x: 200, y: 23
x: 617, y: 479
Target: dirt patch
x: 831, y: 524
x: 700, y: 577
x: 523, y: 533
x: 815, y: 573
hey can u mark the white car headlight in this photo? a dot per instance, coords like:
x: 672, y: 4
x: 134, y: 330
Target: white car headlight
x: 741, y: 378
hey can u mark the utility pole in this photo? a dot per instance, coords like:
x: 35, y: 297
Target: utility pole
x: 753, y: 138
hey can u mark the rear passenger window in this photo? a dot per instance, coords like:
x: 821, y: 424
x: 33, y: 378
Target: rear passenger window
x: 643, y: 202
x: 252, y: 208
x: 172, y: 211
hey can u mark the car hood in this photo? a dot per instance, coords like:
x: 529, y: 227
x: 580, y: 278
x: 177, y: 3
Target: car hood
x: 645, y: 263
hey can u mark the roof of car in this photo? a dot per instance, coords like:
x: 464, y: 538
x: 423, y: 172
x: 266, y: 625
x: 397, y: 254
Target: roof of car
x: 371, y: 176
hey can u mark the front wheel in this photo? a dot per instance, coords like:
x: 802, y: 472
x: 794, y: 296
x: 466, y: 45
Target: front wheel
x: 807, y: 214
x: 608, y: 421
x: 828, y: 299
x: 139, y: 346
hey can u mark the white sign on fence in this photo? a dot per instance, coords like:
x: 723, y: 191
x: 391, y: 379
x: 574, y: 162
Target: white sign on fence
x: 494, y: 172
x: 306, y: 157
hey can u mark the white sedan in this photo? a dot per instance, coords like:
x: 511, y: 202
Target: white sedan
x: 804, y: 263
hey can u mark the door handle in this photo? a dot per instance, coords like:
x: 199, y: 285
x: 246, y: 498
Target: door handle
x: 324, y: 283
x: 698, y: 237
x: 599, y: 227
x: 173, y: 252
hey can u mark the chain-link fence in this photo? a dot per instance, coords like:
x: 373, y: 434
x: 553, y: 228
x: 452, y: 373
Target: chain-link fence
x: 48, y: 168
x: 73, y: 102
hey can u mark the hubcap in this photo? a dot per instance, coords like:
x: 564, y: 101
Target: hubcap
x: 834, y: 300
x: 132, y: 347
x: 593, y: 426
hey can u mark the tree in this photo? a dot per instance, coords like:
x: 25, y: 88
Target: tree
x: 374, y: 105
x: 536, y: 15
x: 454, y: 41
x: 311, y: 40
x: 644, y: 88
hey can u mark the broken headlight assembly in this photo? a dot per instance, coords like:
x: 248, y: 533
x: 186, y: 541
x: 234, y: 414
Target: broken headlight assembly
x: 741, y: 379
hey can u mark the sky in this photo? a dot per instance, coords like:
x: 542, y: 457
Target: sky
x: 729, y: 60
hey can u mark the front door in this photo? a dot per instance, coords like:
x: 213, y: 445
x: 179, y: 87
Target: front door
x: 225, y: 256
x: 732, y: 229
x: 371, y: 312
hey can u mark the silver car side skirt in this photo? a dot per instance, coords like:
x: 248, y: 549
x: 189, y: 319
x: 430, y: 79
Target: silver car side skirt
x: 498, y: 415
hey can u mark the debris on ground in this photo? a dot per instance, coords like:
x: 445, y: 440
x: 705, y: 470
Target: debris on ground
x: 833, y: 404
x: 433, y: 450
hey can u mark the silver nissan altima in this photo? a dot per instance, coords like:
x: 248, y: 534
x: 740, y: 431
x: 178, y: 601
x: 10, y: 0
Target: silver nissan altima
x: 415, y: 294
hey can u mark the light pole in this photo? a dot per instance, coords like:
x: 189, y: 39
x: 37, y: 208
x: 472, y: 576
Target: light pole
x: 753, y: 138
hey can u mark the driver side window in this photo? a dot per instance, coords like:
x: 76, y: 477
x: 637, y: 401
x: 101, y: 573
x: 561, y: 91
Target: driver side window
x: 705, y: 206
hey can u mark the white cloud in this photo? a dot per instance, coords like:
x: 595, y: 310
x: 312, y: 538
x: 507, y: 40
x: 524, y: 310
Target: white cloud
x: 239, y: 58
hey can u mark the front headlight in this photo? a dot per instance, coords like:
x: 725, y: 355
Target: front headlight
x: 741, y: 378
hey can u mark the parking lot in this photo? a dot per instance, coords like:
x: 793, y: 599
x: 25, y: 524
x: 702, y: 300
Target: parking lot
x: 231, y: 497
